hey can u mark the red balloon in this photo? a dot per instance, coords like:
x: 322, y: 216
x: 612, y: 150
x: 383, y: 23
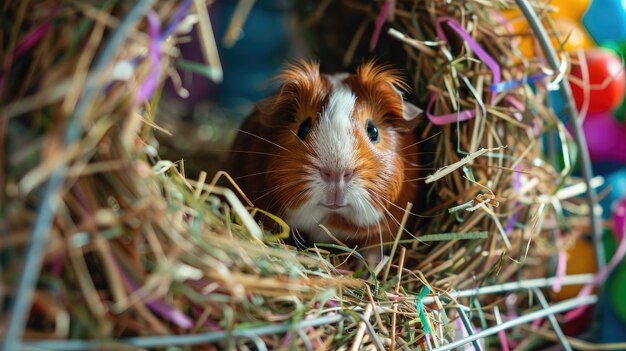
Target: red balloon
x: 579, y: 324
x: 602, y: 66
x: 619, y: 216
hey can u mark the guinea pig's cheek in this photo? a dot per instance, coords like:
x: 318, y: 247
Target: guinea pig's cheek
x: 306, y: 218
x: 364, y: 211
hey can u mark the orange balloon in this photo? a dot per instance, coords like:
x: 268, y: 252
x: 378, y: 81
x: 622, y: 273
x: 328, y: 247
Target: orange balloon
x: 580, y: 259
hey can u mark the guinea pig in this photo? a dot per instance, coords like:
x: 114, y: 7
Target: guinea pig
x: 334, y: 150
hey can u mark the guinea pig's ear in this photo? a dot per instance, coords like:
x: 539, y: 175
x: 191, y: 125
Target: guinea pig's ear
x: 301, y: 83
x: 412, y: 115
x: 377, y: 80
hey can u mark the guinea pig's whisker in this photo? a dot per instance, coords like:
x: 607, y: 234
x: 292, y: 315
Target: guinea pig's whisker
x: 299, y: 239
x: 404, y: 209
x: 422, y: 153
x: 256, y: 153
x: 277, y: 189
x: 279, y: 197
x: 280, y: 200
x: 303, y: 143
x: 289, y: 201
x: 393, y: 218
x: 388, y: 225
x: 266, y: 172
x: 380, y: 237
x: 386, y: 211
x: 269, y: 191
x: 414, y: 179
x: 354, y: 234
x: 373, y: 209
x: 261, y: 138
x: 431, y: 163
x: 368, y: 235
x: 421, y: 141
x: 421, y: 168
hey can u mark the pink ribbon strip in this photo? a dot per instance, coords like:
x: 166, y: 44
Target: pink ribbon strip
x: 504, y: 342
x: 450, y: 118
x: 516, y: 104
x: 379, y: 24
x: 561, y: 269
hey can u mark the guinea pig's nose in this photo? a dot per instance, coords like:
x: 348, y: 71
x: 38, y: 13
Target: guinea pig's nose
x: 336, y: 175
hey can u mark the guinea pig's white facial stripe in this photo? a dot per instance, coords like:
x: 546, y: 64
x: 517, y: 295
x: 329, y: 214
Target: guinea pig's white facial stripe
x: 336, y: 80
x: 334, y: 142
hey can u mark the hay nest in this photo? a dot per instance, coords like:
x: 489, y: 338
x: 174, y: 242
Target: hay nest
x: 109, y: 246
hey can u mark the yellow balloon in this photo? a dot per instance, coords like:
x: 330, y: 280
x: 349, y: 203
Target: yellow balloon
x: 572, y: 9
x: 523, y: 35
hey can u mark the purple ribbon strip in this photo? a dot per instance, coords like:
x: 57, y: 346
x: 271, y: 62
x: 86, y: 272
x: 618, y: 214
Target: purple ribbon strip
x: 478, y: 50
x: 157, y: 306
x: 150, y: 83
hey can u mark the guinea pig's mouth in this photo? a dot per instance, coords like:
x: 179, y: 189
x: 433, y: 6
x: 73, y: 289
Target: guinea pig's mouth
x: 334, y: 206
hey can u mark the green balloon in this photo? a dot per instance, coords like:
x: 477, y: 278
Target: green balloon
x: 617, y: 290
x: 620, y: 113
x: 618, y: 48
x: 616, y: 284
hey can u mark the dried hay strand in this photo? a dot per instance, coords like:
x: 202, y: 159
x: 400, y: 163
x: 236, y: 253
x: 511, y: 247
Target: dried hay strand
x: 116, y: 248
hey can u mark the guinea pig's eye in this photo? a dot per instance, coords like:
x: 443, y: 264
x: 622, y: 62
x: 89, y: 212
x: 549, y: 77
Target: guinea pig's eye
x: 304, y: 128
x: 372, y: 131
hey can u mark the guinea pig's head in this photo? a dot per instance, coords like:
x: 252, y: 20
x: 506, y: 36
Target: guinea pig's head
x: 339, y: 145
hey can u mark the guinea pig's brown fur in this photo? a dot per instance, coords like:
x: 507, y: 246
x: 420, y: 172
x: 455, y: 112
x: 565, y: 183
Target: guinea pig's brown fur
x: 333, y: 150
